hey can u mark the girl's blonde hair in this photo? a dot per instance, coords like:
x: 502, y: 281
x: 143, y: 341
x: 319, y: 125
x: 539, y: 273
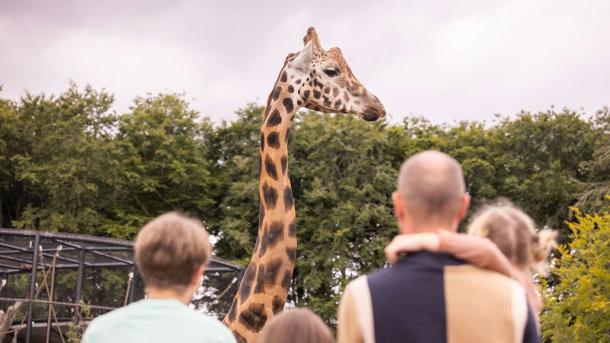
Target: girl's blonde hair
x: 514, y: 232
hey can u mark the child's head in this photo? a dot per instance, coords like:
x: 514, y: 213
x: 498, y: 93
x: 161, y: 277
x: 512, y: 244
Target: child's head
x: 299, y: 325
x: 514, y: 232
x: 170, y: 250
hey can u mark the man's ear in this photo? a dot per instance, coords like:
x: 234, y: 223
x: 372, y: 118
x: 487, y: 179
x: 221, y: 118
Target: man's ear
x: 464, y: 205
x: 399, y: 208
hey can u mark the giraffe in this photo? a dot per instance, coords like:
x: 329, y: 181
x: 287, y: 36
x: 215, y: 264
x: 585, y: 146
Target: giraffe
x: 315, y: 79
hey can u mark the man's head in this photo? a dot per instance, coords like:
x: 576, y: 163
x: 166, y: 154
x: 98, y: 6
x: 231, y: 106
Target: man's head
x: 431, y: 193
x: 171, y: 252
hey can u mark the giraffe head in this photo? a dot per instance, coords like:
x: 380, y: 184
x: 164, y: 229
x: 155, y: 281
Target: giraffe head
x: 327, y: 82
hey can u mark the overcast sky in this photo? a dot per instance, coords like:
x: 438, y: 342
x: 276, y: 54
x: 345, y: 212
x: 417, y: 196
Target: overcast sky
x: 444, y: 60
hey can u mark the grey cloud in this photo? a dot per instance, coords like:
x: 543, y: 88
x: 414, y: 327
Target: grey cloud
x: 445, y: 60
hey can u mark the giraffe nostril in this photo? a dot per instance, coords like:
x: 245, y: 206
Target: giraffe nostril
x: 370, y: 116
x: 372, y: 113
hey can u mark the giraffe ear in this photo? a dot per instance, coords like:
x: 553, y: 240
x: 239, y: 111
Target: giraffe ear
x: 302, y: 60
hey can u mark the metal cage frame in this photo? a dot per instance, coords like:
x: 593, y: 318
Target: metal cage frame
x: 12, y: 262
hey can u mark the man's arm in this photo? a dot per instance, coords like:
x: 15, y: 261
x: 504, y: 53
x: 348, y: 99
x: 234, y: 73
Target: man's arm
x: 348, y: 329
x: 356, y: 313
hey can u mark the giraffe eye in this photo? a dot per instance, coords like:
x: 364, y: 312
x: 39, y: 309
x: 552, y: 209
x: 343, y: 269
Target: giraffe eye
x: 331, y: 72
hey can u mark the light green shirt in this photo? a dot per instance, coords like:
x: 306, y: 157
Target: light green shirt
x: 156, y: 320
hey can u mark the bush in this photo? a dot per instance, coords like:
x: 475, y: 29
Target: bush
x: 578, y: 305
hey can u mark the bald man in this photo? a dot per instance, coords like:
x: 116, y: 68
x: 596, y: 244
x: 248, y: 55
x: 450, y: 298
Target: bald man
x: 431, y: 297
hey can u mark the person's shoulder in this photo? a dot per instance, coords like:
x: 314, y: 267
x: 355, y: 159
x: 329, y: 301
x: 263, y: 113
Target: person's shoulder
x: 113, y: 316
x: 470, y: 270
x: 479, y: 278
x: 212, y: 327
x: 104, y: 322
x: 357, y: 281
x: 357, y: 286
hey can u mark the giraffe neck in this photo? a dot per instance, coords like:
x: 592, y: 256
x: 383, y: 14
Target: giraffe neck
x: 264, y: 286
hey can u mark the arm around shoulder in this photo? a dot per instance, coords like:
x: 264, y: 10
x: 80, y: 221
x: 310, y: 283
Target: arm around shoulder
x: 479, y: 251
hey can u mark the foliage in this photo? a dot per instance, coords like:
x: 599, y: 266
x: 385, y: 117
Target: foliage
x: 76, y: 329
x: 578, y: 306
x: 56, y: 163
x: 70, y: 163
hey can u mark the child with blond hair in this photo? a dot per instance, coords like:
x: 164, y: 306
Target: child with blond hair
x: 500, y: 237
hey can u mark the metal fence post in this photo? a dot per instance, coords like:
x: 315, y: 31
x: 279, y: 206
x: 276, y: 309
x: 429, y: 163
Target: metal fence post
x: 28, y: 331
x: 80, y: 275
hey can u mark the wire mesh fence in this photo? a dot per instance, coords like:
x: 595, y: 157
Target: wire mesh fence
x: 58, y: 282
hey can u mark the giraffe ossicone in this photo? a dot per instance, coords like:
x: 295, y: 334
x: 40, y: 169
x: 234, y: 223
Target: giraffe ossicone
x: 319, y: 80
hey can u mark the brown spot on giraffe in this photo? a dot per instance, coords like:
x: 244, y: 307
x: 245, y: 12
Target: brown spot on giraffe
x: 288, y: 105
x: 254, y: 317
x: 273, y: 140
x: 338, y: 104
x: 292, y: 229
x: 274, y: 119
x: 270, y: 195
x: 272, y: 271
x: 275, y: 233
x: 270, y: 168
x: 287, y: 279
x: 276, y: 93
x: 288, y: 199
x: 278, y: 304
x: 291, y: 253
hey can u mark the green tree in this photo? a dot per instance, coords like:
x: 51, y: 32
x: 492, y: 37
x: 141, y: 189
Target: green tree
x: 578, y: 306
x: 233, y: 151
x: 343, y: 171
x: 537, y: 158
x: 69, y: 163
x: 162, y: 166
x: 57, y: 162
x: 597, y: 185
x: 10, y: 203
